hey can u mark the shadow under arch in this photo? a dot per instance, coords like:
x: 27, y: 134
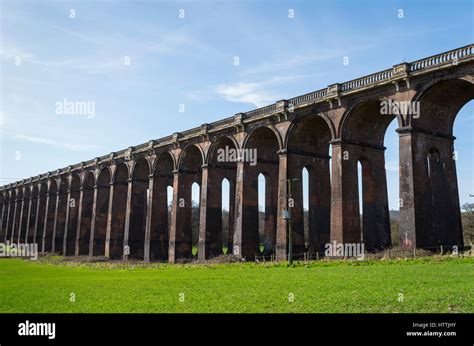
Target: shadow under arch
x: 163, y: 178
x: 72, y: 215
x: 263, y: 145
x: 362, y: 134
x: 50, y: 207
x: 115, y: 242
x: 189, y: 171
x: 84, y: 228
x: 431, y: 215
x: 138, y: 208
x: 308, y: 147
x: 101, y: 212
x: 222, y: 163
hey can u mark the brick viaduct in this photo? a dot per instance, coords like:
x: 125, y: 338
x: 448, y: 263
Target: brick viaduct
x: 100, y: 206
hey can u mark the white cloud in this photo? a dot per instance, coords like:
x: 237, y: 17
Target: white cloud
x: 9, y: 52
x: 56, y: 143
x: 294, y: 61
x: 245, y: 93
x: 256, y: 93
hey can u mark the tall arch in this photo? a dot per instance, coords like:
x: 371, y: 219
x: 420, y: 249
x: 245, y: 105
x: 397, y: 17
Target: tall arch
x: 24, y: 214
x: 159, y: 235
x: 101, y: 212
x: 308, y: 147
x: 430, y: 211
x: 260, y: 156
x: 222, y: 164
x: 72, y: 217
x: 138, y: 209
x: 84, y: 225
x: 3, y: 209
x: 62, y: 205
x: 16, y: 214
x: 119, y: 206
x: 40, y: 212
x: 362, y: 134
x: 50, y: 209
x: 33, y: 212
x: 189, y: 171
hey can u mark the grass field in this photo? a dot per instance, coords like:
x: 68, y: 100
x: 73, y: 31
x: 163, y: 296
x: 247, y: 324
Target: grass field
x: 427, y: 285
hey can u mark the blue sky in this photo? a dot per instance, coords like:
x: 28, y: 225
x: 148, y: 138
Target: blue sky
x: 190, y: 61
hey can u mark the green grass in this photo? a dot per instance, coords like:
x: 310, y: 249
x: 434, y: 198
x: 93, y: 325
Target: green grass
x: 427, y: 285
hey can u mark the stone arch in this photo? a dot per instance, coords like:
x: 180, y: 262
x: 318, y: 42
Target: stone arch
x: 362, y: 133
x: 308, y: 147
x: 272, y: 128
x: 218, y: 143
x: 364, y: 123
x: 39, y: 227
x: 190, y: 152
x: 3, y: 210
x: 10, y: 214
x: 190, y: 171
x: 50, y: 215
x: 264, y: 143
x: 17, y: 214
x: 73, y: 214
x: 84, y: 227
x: 104, y: 178
x: 222, y: 164
x: 311, y: 117
x: 62, y: 204
x: 138, y: 207
x: 139, y: 163
x: 431, y: 184
x: 24, y: 215
x: 114, y: 243
x: 440, y: 102
x: 164, y: 166
x: 32, y: 221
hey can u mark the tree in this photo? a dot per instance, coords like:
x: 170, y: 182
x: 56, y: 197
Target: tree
x: 467, y: 218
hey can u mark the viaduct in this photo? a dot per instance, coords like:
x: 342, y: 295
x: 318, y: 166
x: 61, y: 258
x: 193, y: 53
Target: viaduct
x: 119, y: 201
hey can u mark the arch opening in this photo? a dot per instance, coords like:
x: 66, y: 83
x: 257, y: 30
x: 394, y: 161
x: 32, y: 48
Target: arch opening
x: 73, y: 216
x: 3, y: 210
x: 119, y: 205
x: 101, y: 212
x: 220, y: 198
x: 190, y: 172
x: 58, y: 232
x: 309, y: 170
x: 50, y: 210
x: 363, y: 131
x: 32, y: 220
x: 195, y: 215
x: 437, y: 218
x: 261, y: 147
x: 162, y: 204
x: 17, y: 215
x: 24, y: 216
x: 84, y: 233
x: 138, y: 209
x: 226, y: 220
x: 39, y: 226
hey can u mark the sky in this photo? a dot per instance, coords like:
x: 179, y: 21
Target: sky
x: 152, y: 68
